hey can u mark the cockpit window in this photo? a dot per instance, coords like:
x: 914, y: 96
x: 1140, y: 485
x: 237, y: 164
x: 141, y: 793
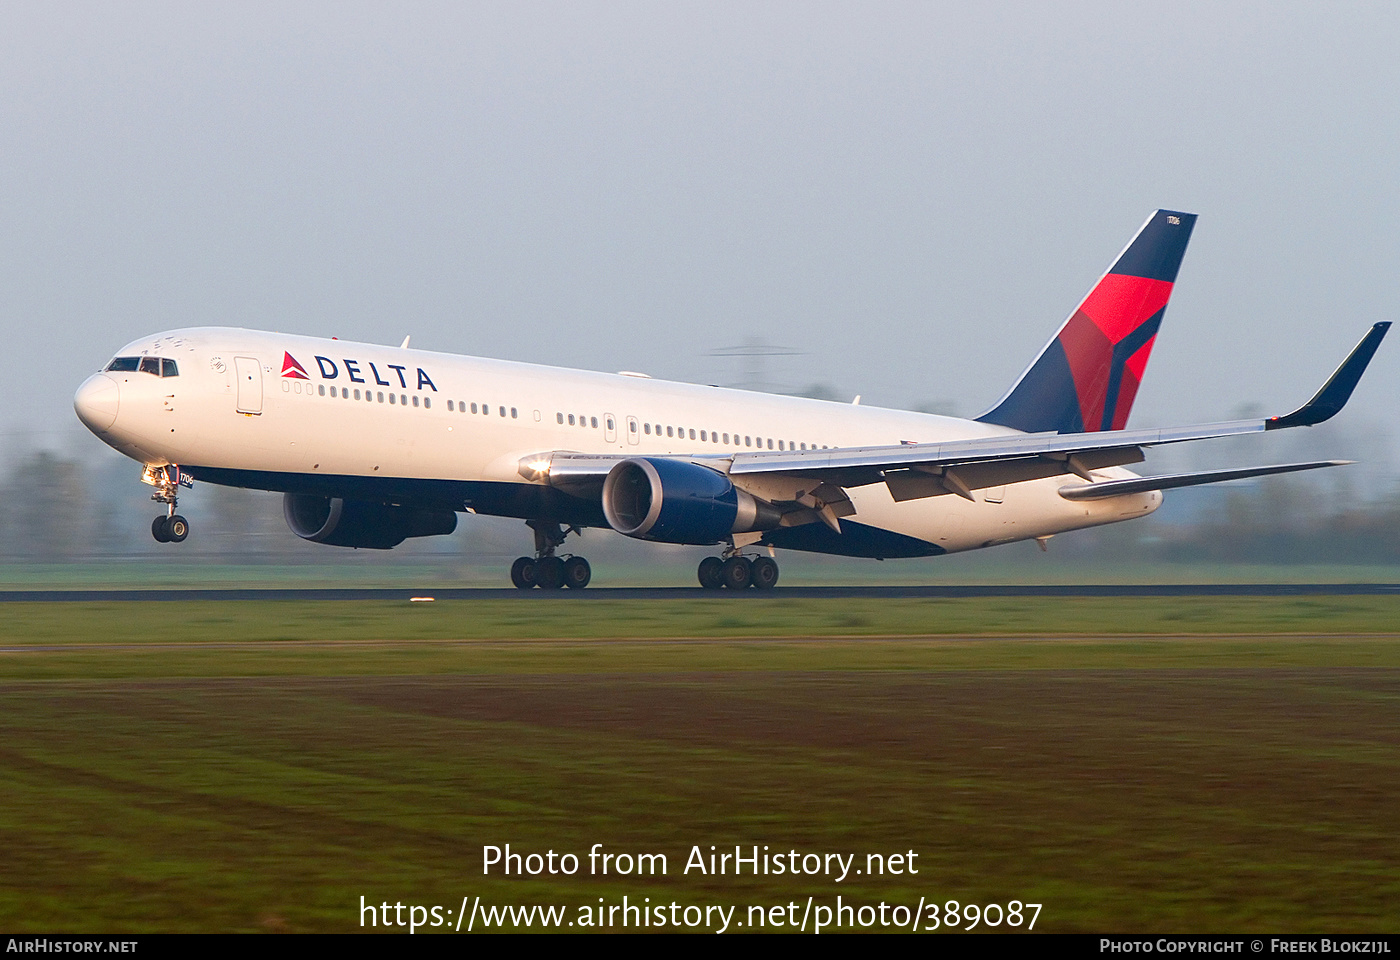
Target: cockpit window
x: 168, y: 369
x: 124, y: 364
x: 150, y: 365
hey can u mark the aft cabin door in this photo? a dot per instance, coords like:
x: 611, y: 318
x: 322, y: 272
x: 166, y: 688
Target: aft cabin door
x: 250, y: 394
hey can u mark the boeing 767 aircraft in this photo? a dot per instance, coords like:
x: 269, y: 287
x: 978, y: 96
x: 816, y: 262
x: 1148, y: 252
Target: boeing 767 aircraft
x: 371, y: 445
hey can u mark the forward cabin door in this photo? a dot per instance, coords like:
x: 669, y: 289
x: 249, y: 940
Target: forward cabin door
x: 250, y: 391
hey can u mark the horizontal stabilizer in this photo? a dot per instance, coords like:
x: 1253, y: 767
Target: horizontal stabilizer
x: 1119, y: 488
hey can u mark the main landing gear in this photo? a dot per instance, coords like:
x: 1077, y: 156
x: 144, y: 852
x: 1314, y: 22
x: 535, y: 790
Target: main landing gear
x: 544, y: 569
x: 170, y: 528
x: 736, y: 572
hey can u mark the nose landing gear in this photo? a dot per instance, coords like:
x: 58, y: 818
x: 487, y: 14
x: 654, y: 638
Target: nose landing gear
x: 544, y: 569
x: 171, y: 528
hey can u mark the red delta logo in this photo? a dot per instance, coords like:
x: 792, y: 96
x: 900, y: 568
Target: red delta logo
x: 291, y: 368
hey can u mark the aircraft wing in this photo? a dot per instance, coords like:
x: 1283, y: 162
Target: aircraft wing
x: 918, y: 470
x: 815, y: 479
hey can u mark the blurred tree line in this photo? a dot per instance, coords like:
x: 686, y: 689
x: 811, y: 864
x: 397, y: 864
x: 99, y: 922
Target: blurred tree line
x: 57, y: 509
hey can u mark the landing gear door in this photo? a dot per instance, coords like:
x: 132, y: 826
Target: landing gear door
x: 250, y: 391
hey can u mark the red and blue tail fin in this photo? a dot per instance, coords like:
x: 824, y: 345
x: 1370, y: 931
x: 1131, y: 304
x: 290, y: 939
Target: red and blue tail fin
x: 1088, y: 374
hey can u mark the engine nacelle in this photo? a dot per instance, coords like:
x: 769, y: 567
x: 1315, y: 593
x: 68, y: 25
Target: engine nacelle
x: 672, y: 501
x: 357, y: 523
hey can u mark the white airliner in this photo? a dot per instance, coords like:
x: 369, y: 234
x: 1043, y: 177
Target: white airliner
x: 372, y: 444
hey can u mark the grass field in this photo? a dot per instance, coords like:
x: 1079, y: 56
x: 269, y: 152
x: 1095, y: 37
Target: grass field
x: 655, y: 566
x: 1134, y: 765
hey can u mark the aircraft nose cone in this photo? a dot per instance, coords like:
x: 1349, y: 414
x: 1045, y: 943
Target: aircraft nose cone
x: 96, y: 402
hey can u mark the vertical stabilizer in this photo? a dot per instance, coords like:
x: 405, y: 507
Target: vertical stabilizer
x: 1088, y: 374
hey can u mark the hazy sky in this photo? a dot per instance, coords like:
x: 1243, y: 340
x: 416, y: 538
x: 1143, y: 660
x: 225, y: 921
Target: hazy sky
x: 911, y: 195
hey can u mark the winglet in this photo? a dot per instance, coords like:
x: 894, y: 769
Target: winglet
x: 1337, y: 390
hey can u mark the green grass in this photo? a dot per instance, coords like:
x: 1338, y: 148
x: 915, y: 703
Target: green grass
x: 746, y: 615
x: 633, y: 564
x: 232, y: 766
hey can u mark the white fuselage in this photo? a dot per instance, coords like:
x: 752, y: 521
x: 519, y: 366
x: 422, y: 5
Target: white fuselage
x: 366, y: 412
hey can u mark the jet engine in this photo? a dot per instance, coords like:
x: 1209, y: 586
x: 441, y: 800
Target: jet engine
x: 357, y: 523
x: 673, y: 501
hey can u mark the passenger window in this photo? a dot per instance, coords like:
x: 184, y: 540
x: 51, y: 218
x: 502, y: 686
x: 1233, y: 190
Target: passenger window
x: 514, y: 415
x: 692, y: 434
x: 748, y: 442
x: 594, y: 422
x: 168, y: 369
x: 668, y: 432
x: 503, y: 411
x: 450, y: 408
x: 427, y: 402
x: 415, y: 399
x: 124, y: 365
x: 321, y: 389
x: 150, y: 365
x: 391, y: 399
x: 702, y: 435
x: 381, y: 398
x: 571, y: 419
x: 647, y: 427
x: 770, y: 443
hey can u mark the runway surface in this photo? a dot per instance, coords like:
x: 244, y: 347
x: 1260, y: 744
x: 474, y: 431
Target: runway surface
x: 943, y: 592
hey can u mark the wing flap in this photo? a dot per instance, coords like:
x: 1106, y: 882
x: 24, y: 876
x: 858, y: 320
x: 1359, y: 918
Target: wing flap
x: 922, y: 480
